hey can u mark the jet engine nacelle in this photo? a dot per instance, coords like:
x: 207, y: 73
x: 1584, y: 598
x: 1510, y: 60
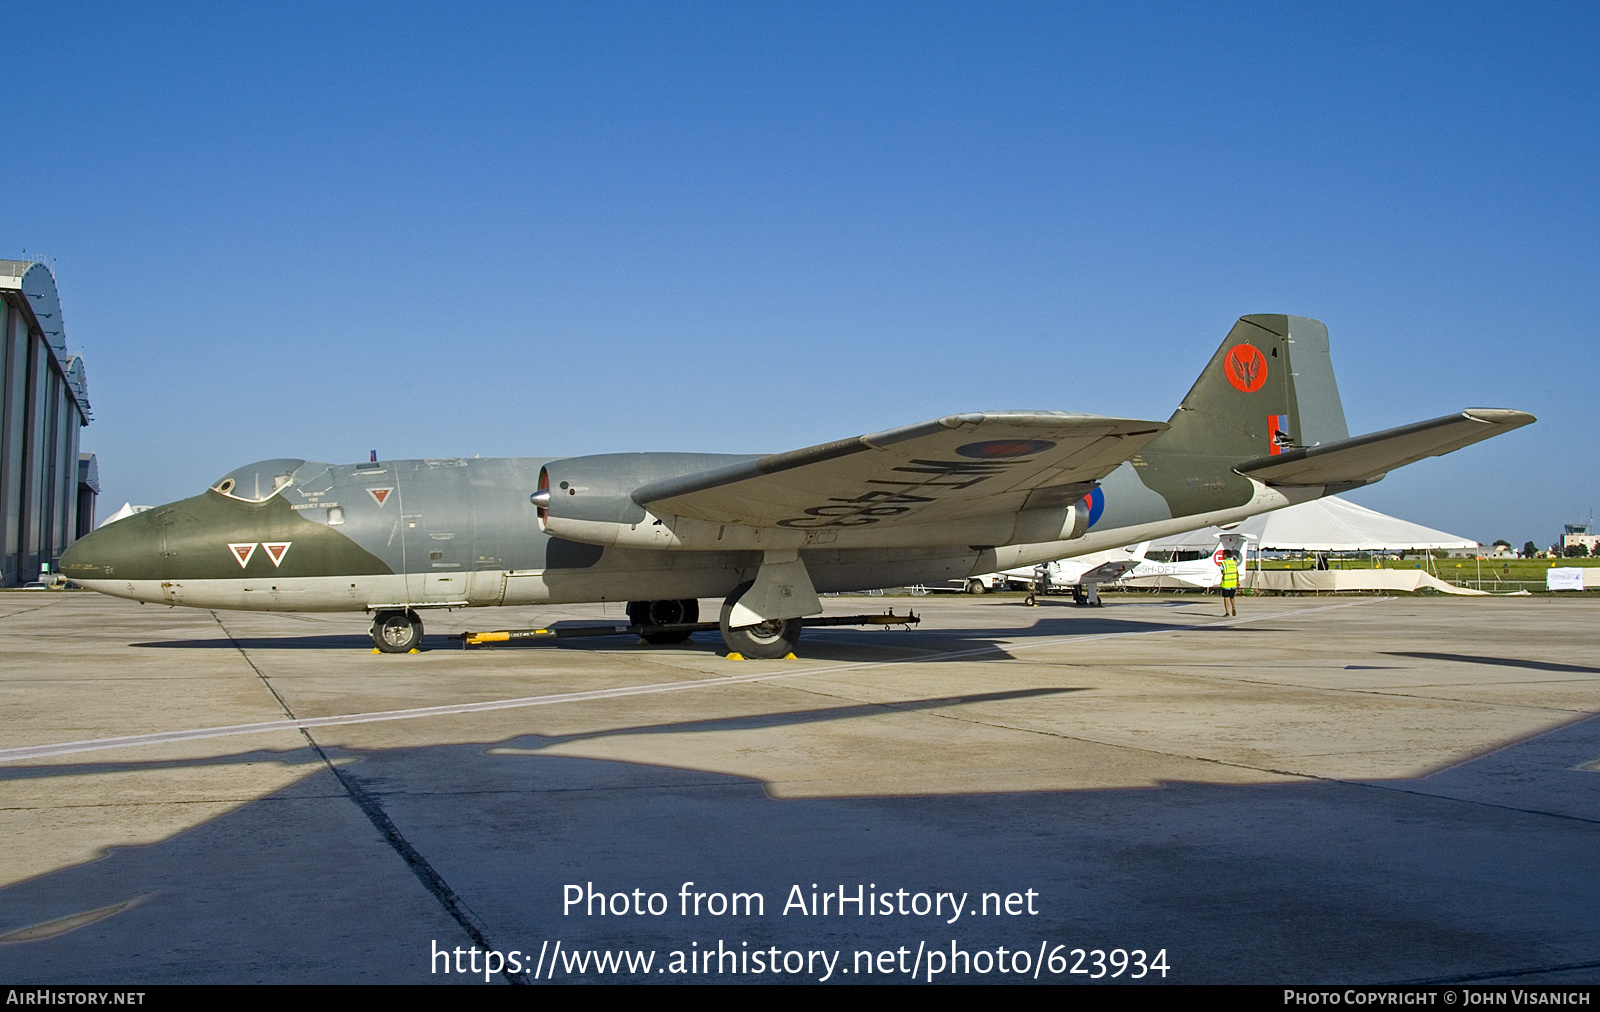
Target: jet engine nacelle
x: 1071, y: 526
x: 590, y: 499
x: 580, y: 489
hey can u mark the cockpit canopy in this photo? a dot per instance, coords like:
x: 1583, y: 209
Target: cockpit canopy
x: 260, y: 481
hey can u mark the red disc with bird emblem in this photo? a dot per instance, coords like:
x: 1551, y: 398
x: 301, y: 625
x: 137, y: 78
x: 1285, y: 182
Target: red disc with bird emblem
x: 1245, y: 367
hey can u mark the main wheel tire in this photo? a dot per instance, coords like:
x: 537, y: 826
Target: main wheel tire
x: 668, y: 612
x: 766, y: 641
x: 397, y: 632
x: 976, y: 587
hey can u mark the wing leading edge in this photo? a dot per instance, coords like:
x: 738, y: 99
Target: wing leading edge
x: 951, y: 468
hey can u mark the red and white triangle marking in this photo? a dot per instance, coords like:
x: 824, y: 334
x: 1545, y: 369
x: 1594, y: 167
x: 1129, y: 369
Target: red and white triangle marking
x: 276, y: 550
x: 380, y: 495
x: 243, y: 553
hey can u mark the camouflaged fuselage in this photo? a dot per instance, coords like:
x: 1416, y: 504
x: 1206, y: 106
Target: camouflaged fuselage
x: 462, y: 532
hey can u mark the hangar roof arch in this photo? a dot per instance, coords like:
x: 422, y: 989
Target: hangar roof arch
x: 41, y: 302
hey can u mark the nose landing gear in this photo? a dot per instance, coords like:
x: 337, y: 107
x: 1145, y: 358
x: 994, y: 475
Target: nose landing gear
x: 397, y: 632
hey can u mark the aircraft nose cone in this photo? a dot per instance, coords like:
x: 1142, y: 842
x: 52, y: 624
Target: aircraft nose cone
x: 127, y: 549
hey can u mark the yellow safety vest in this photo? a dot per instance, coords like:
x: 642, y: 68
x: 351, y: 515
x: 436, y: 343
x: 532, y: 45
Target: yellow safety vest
x: 1230, y: 574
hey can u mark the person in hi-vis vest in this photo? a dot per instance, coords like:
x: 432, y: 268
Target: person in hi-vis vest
x: 1230, y: 582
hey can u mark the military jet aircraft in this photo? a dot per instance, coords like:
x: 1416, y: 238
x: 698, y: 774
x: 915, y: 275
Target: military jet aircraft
x: 966, y: 494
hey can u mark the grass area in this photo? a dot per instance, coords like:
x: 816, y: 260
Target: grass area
x: 1531, y: 570
x: 1493, y: 575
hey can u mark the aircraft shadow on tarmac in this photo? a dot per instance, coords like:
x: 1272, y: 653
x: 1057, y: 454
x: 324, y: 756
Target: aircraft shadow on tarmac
x: 834, y: 644
x: 1508, y: 662
x: 333, y: 641
x: 528, y: 744
x: 985, y: 644
x: 351, y: 876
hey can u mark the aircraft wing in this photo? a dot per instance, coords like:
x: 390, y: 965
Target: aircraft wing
x: 950, y: 468
x: 1370, y: 457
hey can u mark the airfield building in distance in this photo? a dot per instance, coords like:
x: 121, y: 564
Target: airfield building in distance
x: 44, y: 401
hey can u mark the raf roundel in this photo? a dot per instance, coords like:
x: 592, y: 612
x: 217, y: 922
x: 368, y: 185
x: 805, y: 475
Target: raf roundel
x: 1096, y: 501
x: 989, y: 449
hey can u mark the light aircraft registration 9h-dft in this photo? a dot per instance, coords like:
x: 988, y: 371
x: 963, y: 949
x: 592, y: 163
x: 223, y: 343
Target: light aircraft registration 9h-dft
x: 966, y: 494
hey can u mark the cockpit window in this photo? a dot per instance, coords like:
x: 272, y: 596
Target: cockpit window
x: 258, y: 482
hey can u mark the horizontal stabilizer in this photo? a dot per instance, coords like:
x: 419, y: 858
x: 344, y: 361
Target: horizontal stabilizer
x: 956, y: 467
x: 1368, y: 458
x: 1110, y: 572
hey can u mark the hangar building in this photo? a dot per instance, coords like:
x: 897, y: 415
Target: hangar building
x: 44, y: 401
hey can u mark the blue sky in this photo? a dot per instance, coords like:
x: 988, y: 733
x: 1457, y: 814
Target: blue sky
x: 314, y: 230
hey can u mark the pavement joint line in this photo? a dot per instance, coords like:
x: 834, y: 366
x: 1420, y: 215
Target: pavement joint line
x: 282, y: 705
x: 1166, y: 670
x: 1068, y: 737
x: 454, y: 906
x: 525, y: 791
x: 1494, y: 704
x: 1414, y: 792
x: 1510, y: 744
x: 24, y: 611
x: 712, y: 681
x: 141, y: 805
x: 944, y: 714
x: 1499, y: 974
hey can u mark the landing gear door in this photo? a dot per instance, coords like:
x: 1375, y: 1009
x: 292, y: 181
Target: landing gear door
x: 486, y: 586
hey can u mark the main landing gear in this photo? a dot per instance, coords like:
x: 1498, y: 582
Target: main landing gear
x: 674, y: 621
x: 760, y: 620
x: 670, y: 612
x: 397, y: 632
x: 768, y: 641
x: 765, y: 639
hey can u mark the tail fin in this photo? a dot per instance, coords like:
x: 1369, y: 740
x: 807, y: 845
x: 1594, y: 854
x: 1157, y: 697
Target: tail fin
x: 1268, y: 389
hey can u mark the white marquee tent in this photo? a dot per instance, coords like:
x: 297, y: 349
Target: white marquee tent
x: 128, y: 509
x: 1323, y: 525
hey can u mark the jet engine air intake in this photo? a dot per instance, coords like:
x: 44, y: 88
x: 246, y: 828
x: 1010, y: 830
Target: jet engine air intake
x: 580, y: 500
x: 541, y: 498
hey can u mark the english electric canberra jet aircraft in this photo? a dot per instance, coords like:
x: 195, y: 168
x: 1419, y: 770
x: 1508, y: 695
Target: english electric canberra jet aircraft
x: 958, y: 496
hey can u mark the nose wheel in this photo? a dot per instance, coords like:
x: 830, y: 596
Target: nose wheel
x: 397, y: 632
